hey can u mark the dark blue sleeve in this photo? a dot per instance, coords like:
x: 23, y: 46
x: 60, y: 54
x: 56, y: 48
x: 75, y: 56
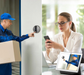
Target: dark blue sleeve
x: 19, y: 38
x: 67, y: 62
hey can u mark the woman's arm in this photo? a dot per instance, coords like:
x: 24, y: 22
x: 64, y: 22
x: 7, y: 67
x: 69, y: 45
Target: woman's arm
x: 52, y: 55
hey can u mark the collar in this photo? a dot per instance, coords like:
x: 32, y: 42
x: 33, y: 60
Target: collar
x: 71, y: 34
x: 1, y: 27
x: 75, y: 60
x: 68, y: 39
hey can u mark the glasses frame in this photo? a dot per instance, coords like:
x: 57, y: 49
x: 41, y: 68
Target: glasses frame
x: 61, y: 23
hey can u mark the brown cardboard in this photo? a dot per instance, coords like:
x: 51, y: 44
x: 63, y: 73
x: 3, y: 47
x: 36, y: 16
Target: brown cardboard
x: 72, y: 67
x: 9, y: 52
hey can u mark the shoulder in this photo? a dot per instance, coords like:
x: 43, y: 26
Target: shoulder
x: 9, y: 31
x: 58, y: 35
x: 76, y: 35
x: 1, y: 31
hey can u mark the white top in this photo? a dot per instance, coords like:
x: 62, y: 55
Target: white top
x: 73, y: 45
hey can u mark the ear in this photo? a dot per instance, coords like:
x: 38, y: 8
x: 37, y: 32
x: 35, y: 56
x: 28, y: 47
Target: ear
x: 70, y: 23
x: 4, y: 21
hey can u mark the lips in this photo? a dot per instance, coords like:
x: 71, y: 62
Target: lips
x: 60, y: 28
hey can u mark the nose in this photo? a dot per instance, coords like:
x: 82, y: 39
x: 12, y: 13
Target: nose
x: 59, y: 25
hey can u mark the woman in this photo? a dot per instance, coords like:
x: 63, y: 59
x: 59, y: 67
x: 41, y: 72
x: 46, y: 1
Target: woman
x: 66, y: 41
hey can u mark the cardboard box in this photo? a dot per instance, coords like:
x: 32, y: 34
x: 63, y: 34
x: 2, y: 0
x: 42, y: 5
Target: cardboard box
x: 72, y: 67
x: 9, y: 52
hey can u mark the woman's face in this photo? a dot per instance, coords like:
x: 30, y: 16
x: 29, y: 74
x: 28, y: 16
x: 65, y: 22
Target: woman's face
x: 63, y: 24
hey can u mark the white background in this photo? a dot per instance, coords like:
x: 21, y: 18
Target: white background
x: 60, y: 63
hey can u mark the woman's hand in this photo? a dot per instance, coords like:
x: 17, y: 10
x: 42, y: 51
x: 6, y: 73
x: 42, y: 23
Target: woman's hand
x: 48, y: 51
x: 54, y: 45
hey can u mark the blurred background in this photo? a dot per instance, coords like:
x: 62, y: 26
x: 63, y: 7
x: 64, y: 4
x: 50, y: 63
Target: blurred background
x: 50, y: 11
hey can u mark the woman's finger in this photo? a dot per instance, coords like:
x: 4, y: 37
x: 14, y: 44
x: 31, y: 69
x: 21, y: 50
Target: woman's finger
x: 48, y: 44
x: 49, y: 47
x: 48, y: 41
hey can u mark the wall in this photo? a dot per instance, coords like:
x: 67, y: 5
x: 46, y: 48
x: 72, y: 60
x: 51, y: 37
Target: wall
x: 31, y: 15
x: 62, y: 64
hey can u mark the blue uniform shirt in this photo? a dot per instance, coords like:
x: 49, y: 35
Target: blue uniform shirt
x: 73, y: 62
x: 7, y: 35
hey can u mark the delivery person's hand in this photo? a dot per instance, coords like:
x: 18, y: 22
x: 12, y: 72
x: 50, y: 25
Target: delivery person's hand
x: 64, y: 59
x: 31, y: 34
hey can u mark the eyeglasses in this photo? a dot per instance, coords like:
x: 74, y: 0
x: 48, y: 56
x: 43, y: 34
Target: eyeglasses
x: 61, y: 23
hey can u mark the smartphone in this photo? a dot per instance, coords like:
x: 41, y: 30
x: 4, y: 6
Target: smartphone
x: 47, y: 37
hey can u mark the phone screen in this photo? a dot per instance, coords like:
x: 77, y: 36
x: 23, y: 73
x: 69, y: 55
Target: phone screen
x: 47, y: 37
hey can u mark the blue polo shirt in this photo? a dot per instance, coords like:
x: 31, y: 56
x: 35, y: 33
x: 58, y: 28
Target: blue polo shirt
x: 73, y: 62
x: 7, y: 35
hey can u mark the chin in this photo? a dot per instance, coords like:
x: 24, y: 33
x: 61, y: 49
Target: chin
x: 8, y: 27
x: 61, y: 30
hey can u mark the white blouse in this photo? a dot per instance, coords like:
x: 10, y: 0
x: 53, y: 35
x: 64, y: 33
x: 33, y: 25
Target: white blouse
x: 73, y: 45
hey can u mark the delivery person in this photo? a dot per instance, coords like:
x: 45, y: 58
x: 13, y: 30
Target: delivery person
x: 7, y: 35
x: 74, y: 61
